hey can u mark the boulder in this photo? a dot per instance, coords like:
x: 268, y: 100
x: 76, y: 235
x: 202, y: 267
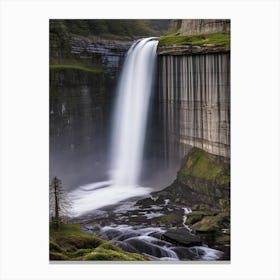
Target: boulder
x: 181, y: 237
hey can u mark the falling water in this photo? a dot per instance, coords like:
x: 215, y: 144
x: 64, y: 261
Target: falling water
x: 129, y: 129
x: 134, y: 92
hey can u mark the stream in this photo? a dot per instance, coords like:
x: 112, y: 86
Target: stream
x: 135, y: 228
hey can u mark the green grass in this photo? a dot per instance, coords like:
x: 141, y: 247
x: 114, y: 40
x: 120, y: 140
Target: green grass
x: 91, y: 69
x: 101, y: 254
x: 201, y: 165
x: 217, y: 39
x: 71, y: 243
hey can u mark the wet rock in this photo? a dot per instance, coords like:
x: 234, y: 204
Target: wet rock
x: 143, y: 246
x: 127, y: 235
x: 185, y: 254
x: 112, y: 233
x: 125, y: 246
x: 182, y: 237
x: 226, y: 251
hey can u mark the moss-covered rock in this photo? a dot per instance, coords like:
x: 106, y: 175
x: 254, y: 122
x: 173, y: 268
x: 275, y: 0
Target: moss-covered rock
x: 202, y: 184
x: 58, y: 256
x: 214, y: 229
x: 195, y: 217
x: 69, y: 242
x: 173, y: 218
x: 101, y: 254
x: 208, y: 176
x: 202, y: 165
x: 212, y: 223
x: 197, y: 39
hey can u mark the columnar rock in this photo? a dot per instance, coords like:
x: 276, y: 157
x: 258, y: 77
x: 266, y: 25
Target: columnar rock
x: 194, y: 91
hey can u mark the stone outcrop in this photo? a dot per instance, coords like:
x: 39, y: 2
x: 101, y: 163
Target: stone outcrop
x: 194, y: 96
x: 182, y: 237
x: 201, y: 26
x: 202, y: 185
x: 203, y: 178
x: 191, y: 49
x: 82, y: 86
x: 109, y: 54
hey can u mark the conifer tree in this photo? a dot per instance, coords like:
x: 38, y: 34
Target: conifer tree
x: 60, y: 204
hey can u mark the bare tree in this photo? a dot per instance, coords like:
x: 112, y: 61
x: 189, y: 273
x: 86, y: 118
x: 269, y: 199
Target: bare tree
x: 60, y: 205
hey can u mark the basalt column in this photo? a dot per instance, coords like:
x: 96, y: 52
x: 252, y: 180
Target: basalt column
x: 194, y: 97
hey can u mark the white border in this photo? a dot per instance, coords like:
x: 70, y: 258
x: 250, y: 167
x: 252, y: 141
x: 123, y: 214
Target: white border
x: 24, y: 138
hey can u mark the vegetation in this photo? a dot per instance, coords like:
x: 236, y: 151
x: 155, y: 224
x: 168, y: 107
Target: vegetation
x: 69, y: 242
x: 212, y: 227
x: 205, y: 166
x: 219, y: 39
x: 59, y: 203
x: 91, y: 69
x: 122, y: 29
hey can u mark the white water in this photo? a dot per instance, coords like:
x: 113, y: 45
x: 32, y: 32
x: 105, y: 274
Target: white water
x: 129, y: 131
x: 134, y: 93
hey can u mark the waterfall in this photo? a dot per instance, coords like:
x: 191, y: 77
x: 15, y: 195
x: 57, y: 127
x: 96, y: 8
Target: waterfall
x: 129, y: 130
x: 130, y: 118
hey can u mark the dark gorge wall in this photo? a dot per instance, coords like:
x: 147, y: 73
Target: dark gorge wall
x: 83, y: 78
x: 194, y: 97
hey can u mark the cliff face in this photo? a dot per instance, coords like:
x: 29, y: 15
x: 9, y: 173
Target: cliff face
x: 194, y: 93
x: 83, y: 78
x: 201, y: 26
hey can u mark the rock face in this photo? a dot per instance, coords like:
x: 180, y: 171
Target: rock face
x: 82, y: 86
x: 109, y: 54
x: 201, y: 26
x: 194, y: 96
x: 181, y: 237
x: 202, y: 185
x: 203, y: 179
x: 207, y: 175
x: 191, y: 49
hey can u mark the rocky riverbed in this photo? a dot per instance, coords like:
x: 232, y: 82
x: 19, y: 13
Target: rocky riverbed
x: 188, y: 220
x: 158, y: 230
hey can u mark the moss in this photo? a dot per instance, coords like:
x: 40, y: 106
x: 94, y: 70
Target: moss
x: 55, y: 248
x: 217, y: 39
x: 212, y: 223
x: 195, y: 217
x: 205, y: 166
x: 69, y: 242
x: 112, y: 255
x: 80, y: 253
x: 91, y: 69
x: 173, y: 218
x: 207, y: 224
x: 71, y: 237
x: 58, y: 256
x: 110, y: 246
x: 214, y: 229
x: 223, y: 239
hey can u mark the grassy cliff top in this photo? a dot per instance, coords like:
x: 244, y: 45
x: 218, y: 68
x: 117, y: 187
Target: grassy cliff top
x: 70, y: 243
x: 91, y: 69
x: 216, y: 39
